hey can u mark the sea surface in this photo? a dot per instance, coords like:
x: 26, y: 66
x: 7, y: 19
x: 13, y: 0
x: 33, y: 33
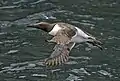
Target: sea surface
x: 23, y: 48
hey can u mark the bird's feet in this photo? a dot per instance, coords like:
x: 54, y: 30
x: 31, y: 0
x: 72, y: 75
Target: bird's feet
x: 50, y: 41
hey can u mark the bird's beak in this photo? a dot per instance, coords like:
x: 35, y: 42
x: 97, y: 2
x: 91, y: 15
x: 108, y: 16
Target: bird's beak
x: 33, y: 25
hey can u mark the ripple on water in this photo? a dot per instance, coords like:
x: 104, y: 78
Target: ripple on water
x: 80, y: 71
x: 20, y: 1
x: 87, y: 24
x: 3, y: 33
x: 42, y: 15
x: 97, y: 18
x: 12, y: 51
x: 22, y: 76
x: 71, y: 62
x: 85, y: 16
x: 31, y: 19
x: 94, y: 66
x: 39, y: 75
x: 105, y: 73
x: 16, y: 67
x: 38, y: 1
x: 55, y: 70
x: 82, y: 57
x: 72, y: 77
x: 5, y: 24
x: 9, y: 7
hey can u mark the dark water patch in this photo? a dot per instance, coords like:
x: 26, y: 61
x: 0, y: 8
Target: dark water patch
x: 15, y: 12
x: 22, y: 48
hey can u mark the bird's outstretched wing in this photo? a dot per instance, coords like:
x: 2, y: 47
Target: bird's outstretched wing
x: 63, y: 46
x: 60, y: 54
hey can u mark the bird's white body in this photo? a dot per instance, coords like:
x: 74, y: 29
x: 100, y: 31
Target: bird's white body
x: 79, y: 37
x: 55, y: 30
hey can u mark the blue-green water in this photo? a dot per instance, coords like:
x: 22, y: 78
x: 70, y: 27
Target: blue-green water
x: 22, y: 48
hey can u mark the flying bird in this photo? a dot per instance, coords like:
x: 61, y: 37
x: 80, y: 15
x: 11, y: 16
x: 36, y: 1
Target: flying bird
x: 65, y: 36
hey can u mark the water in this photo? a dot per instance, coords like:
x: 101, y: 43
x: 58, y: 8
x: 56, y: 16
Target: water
x: 22, y: 48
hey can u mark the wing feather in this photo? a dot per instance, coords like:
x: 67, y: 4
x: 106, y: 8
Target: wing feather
x: 63, y: 46
x: 64, y: 36
x: 60, y: 54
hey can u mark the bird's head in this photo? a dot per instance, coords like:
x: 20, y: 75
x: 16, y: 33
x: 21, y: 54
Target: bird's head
x: 43, y: 26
